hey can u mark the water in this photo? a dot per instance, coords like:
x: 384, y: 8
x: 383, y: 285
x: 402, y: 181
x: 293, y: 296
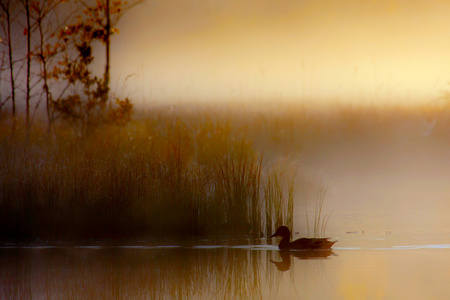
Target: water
x: 359, y: 267
x: 389, y: 215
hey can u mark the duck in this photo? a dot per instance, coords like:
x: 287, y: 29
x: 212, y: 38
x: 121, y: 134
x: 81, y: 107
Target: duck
x: 302, y: 243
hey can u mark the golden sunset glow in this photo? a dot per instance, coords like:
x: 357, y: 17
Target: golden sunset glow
x: 225, y: 149
x: 358, y: 51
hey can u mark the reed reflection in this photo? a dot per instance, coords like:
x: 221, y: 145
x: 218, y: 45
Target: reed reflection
x: 138, y: 273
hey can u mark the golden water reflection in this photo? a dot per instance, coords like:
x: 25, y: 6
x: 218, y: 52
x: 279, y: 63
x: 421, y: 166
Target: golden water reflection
x: 223, y: 273
x: 285, y: 263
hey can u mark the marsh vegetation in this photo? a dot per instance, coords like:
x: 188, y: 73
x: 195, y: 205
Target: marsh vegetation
x: 182, y: 171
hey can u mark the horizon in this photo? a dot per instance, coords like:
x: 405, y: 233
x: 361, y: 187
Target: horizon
x: 360, y: 52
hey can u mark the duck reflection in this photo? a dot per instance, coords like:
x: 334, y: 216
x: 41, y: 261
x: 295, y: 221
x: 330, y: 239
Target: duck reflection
x: 286, y: 254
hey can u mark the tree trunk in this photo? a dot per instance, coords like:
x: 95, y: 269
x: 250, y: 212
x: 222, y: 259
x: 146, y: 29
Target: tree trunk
x: 27, y: 8
x: 45, y: 77
x: 108, y: 30
x: 6, y: 9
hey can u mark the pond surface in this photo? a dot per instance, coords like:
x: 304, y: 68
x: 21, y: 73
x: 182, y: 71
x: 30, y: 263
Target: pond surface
x: 359, y: 267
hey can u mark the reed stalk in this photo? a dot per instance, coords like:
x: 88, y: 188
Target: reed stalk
x: 279, y: 208
x: 320, y: 220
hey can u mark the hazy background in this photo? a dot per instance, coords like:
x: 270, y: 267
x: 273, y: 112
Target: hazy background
x: 391, y: 176
x: 327, y: 52
x: 359, y: 51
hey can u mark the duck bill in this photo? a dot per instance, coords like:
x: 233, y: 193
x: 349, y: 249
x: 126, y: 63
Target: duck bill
x: 273, y: 235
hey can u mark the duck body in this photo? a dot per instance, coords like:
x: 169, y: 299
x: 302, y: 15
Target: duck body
x: 302, y: 243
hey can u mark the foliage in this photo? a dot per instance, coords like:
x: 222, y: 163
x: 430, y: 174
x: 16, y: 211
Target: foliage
x: 93, y: 106
x: 57, y: 62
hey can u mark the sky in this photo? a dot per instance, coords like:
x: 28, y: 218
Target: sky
x: 371, y: 51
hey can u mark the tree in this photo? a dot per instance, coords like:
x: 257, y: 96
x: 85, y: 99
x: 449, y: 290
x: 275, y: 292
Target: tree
x: 106, y: 16
x: 33, y: 17
x: 93, y: 106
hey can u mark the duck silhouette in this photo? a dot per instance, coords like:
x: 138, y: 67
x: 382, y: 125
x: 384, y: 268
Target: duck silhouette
x: 302, y: 243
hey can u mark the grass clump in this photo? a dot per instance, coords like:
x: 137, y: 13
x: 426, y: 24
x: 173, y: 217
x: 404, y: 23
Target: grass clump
x: 168, y: 177
x: 320, y: 220
x: 279, y: 208
x: 186, y: 171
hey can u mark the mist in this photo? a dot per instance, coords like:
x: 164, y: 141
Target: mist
x: 373, y: 52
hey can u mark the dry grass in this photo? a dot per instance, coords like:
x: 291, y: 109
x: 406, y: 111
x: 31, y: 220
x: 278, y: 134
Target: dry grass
x: 163, y: 175
x: 179, y: 171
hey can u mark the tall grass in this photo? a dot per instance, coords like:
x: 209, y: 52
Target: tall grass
x: 320, y: 220
x: 239, y: 185
x: 180, y: 171
x: 171, y: 177
x: 278, y: 207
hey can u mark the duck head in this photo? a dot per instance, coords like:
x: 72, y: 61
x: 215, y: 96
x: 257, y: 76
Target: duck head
x: 282, y: 231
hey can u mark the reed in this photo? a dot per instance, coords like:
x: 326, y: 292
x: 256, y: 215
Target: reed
x: 112, y: 273
x: 320, y: 219
x: 278, y: 207
x: 176, y: 177
x: 239, y: 182
x: 183, y: 171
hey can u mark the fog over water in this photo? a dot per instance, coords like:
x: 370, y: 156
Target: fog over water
x: 397, y: 190
x: 335, y: 52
